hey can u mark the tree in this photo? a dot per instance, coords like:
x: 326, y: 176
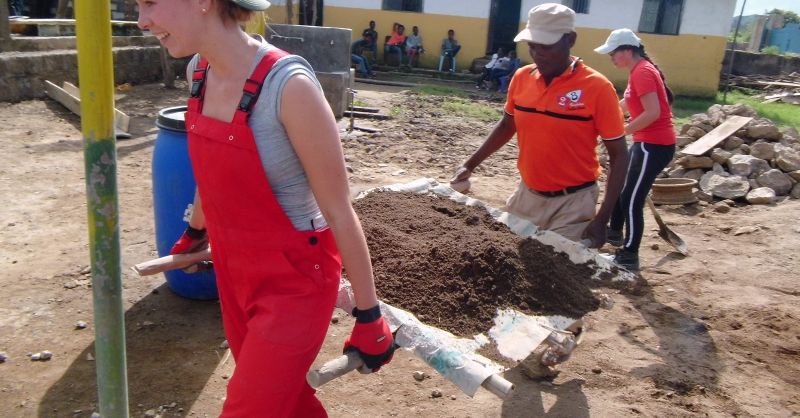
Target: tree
x: 788, y: 15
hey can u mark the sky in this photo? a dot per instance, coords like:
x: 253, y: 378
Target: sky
x: 759, y: 6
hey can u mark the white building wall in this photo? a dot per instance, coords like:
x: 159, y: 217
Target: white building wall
x: 472, y: 8
x: 700, y: 17
x: 357, y: 4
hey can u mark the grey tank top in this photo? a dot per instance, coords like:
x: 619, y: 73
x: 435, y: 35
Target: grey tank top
x: 285, y: 173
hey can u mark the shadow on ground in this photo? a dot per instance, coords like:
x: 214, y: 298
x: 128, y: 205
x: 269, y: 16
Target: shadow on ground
x: 538, y: 399
x: 173, y: 347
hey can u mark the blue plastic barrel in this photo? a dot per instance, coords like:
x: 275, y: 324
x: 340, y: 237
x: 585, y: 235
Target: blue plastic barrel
x: 173, y: 193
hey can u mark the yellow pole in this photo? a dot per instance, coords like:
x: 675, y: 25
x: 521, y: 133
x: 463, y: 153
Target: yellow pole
x: 96, y: 77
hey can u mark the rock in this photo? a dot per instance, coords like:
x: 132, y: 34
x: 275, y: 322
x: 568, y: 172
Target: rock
x: 777, y: 181
x: 655, y: 247
x: 763, y: 150
x: 745, y: 165
x: 746, y: 230
x: 715, y: 115
x: 683, y: 140
x: 744, y: 149
x: 81, y: 325
x: 719, y: 169
x: 150, y: 413
x: 334, y: 320
x: 597, y: 370
x: 795, y: 175
x: 739, y: 109
x: 453, y: 397
x: 224, y: 345
x: 436, y: 393
x: 720, y: 156
x: 46, y: 355
x: 3, y: 357
x: 787, y: 159
x: 36, y: 356
x: 732, y: 143
x: 763, y: 128
x: 753, y: 183
x: 694, y: 132
x: 86, y: 270
x: 721, y: 207
x: 676, y: 172
x: 419, y: 376
x: 761, y: 196
x: 691, y: 161
x: 732, y: 187
x: 89, y: 357
x: 728, y: 202
x: 795, y: 193
x: 704, y: 126
x: 704, y: 197
x: 695, y: 174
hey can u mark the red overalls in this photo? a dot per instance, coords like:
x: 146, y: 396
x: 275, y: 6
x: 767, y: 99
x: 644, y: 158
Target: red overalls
x: 277, y: 285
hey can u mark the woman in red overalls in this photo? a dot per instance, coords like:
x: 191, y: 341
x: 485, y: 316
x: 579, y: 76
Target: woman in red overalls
x: 277, y: 283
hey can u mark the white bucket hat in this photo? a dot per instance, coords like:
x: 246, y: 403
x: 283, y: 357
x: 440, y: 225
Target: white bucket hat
x: 255, y: 5
x: 618, y: 38
x: 547, y: 23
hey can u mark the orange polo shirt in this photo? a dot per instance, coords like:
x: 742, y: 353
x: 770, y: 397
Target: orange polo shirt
x: 558, y: 124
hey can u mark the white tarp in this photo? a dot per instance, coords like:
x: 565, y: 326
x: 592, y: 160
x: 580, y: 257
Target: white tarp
x: 516, y: 334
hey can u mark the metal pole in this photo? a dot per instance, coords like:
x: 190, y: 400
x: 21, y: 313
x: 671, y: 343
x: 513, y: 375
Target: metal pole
x: 96, y: 76
x: 733, y: 53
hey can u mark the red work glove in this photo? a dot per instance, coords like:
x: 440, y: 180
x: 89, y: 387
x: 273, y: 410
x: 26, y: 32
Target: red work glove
x: 192, y: 240
x: 371, y: 338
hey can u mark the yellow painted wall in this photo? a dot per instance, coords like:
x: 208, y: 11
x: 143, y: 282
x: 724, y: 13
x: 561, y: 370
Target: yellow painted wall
x: 471, y: 33
x: 691, y: 63
x: 277, y: 13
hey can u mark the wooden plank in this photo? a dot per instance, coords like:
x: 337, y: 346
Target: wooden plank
x: 717, y: 135
x: 73, y: 103
x: 366, y: 115
x: 365, y: 109
x: 121, y: 120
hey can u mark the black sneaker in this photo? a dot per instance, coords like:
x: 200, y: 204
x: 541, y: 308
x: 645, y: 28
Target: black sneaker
x: 627, y: 259
x: 614, y: 237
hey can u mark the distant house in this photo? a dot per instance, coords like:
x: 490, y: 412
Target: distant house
x: 686, y: 38
x: 787, y: 39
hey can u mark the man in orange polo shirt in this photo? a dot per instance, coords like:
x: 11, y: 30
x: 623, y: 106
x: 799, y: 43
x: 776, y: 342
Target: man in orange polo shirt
x: 558, y: 107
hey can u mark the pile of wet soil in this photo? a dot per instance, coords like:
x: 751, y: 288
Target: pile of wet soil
x: 453, y: 265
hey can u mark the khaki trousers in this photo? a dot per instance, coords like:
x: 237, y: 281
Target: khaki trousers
x: 566, y: 215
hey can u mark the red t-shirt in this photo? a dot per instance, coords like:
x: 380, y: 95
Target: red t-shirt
x: 645, y: 79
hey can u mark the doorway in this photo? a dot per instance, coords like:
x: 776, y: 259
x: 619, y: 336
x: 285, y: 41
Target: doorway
x: 311, y: 12
x: 504, y: 19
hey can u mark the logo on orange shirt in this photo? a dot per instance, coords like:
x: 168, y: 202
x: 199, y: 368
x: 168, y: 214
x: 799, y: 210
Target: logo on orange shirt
x: 571, y: 100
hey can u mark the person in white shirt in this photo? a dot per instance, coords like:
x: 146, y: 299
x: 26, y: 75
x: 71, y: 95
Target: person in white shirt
x: 414, y: 46
x: 487, y: 69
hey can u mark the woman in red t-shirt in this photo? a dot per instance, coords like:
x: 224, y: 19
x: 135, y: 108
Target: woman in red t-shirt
x: 647, y: 98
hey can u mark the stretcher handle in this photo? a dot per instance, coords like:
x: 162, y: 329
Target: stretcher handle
x: 333, y: 369
x: 495, y: 383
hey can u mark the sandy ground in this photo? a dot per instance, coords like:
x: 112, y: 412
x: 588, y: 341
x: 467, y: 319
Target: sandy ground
x: 713, y: 334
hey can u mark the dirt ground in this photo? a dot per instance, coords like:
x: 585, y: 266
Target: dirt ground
x: 713, y: 334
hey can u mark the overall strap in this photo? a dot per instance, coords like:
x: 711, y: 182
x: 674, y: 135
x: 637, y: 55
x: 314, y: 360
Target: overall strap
x: 195, y: 103
x: 253, y: 85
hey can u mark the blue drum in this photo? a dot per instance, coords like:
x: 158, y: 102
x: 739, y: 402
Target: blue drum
x: 173, y: 194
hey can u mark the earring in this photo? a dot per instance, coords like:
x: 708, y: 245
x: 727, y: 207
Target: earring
x: 203, y: 10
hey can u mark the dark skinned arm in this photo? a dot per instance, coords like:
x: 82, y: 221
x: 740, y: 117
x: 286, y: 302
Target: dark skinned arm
x: 617, y: 170
x: 500, y: 135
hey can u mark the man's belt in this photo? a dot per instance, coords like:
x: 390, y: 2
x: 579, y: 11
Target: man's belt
x: 566, y: 191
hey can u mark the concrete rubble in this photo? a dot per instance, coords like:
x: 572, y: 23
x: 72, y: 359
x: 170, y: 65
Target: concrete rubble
x: 758, y: 164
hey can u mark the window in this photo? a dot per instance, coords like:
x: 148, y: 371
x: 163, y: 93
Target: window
x: 403, y: 5
x: 661, y: 16
x: 579, y: 6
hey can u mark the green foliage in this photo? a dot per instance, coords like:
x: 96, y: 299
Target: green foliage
x: 437, y: 90
x: 771, y: 50
x: 788, y: 15
x: 470, y: 109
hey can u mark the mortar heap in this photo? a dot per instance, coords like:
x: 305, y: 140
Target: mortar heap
x: 453, y: 265
x: 758, y: 163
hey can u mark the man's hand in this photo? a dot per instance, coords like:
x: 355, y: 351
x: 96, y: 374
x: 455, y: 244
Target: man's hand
x: 460, y: 181
x: 371, y: 338
x: 596, y: 233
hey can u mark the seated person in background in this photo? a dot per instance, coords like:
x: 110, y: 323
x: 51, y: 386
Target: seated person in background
x: 395, y: 44
x: 414, y: 46
x: 450, y: 47
x: 357, y: 54
x: 374, y: 35
x: 506, y: 66
x: 488, y: 67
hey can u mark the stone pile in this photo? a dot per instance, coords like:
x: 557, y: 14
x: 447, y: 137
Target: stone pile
x: 759, y: 163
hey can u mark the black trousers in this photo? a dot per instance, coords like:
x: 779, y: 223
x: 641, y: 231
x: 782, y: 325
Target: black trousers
x: 646, y: 161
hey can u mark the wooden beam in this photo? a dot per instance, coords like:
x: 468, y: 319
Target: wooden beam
x: 5, y: 32
x: 717, y: 135
x: 68, y: 97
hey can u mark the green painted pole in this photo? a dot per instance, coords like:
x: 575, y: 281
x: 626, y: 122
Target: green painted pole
x: 96, y: 76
